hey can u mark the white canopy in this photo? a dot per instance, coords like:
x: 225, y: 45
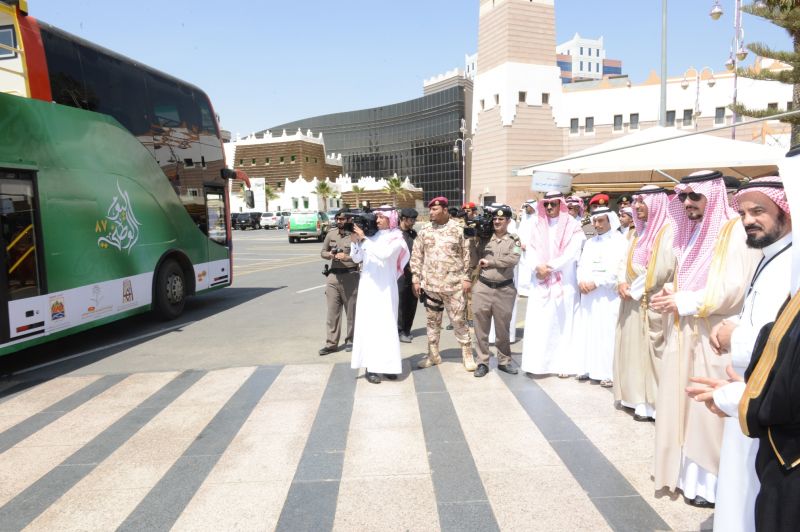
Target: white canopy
x: 653, y: 154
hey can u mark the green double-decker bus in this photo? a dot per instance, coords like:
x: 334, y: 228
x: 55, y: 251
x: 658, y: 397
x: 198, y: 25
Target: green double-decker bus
x: 113, y: 188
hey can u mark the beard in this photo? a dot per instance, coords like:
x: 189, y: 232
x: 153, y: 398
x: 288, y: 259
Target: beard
x: 767, y: 238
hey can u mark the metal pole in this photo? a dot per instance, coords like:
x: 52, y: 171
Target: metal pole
x: 737, y: 28
x: 662, y: 113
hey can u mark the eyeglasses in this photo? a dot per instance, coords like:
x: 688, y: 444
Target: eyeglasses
x: 694, y: 196
x: 548, y: 204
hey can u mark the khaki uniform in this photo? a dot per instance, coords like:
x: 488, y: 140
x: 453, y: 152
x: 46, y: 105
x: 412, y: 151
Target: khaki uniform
x: 494, y: 294
x: 341, y: 286
x: 440, y: 263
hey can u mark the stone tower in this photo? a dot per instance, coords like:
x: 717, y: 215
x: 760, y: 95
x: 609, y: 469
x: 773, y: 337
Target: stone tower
x: 516, y: 86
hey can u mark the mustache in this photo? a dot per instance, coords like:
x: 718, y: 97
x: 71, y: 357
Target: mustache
x: 753, y: 226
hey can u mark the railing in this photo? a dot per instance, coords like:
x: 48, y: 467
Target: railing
x: 26, y: 253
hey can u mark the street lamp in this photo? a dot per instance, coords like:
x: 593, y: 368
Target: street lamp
x: 738, y: 52
x: 460, y: 146
x: 704, y: 74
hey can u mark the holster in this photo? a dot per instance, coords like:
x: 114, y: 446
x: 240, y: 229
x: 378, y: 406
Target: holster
x: 436, y: 305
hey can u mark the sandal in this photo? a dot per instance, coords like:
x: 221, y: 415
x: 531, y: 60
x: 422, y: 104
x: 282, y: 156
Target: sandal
x: 606, y: 383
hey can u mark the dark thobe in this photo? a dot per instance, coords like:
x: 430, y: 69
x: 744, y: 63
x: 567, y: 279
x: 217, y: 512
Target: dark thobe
x: 493, y: 296
x: 770, y: 411
x: 407, y: 307
x: 341, y: 286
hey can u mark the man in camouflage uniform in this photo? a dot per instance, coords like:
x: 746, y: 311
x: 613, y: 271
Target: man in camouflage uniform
x: 440, y: 272
x: 494, y: 293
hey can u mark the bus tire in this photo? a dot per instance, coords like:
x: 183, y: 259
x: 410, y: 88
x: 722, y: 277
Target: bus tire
x: 170, y: 291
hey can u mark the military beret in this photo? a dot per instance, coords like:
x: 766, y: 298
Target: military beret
x: 470, y: 205
x: 599, y: 199
x: 440, y: 200
x: 625, y: 197
x: 408, y: 213
x: 503, y: 211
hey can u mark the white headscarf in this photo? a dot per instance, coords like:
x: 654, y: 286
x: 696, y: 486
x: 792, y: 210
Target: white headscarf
x: 613, y: 219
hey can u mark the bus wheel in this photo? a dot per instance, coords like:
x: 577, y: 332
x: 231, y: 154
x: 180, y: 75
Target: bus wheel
x: 170, y: 292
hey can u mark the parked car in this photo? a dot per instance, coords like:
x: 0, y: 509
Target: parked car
x: 248, y: 220
x: 234, y: 216
x: 308, y: 224
x: 283, y: 219
x: 269, y: 220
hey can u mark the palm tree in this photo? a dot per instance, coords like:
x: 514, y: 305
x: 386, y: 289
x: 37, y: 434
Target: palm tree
x: 324, y: 190
x: 394, y: 187
x: 357, y: 191
x: 269, y: 194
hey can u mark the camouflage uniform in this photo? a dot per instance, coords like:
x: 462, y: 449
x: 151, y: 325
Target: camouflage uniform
x: 440, y: 262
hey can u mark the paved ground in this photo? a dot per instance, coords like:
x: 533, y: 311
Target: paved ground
x: 229, y: 420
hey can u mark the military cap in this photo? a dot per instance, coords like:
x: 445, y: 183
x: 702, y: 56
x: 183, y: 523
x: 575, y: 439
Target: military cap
x: 408, y: 213
x: 599, y: 199
x: 503, y: 211
x: 731, y: 183
x: 625, y: 197
x: 439, y: 200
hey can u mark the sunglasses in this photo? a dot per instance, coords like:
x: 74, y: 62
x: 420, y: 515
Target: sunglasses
x: 548, y: 204
x: 694, y: 196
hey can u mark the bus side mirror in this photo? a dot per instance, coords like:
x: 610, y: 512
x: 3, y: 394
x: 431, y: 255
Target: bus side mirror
x: 227, y: 173
x: 249, y: 199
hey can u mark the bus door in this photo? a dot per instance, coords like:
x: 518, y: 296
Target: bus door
x: 219, y: 272
x: 22, y: 314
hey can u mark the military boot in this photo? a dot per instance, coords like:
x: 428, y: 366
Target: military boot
x: 432, y: 359
x: 466, y: 355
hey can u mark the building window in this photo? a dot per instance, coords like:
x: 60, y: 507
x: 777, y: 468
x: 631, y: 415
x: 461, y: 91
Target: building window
x: 294, y: 158
x: 306, y: 158
x: 719, y: 115
x: 670, y: 118
x: 772, y: 106
x: 315, y: 160
x: 573, y: 125
x: 496, y: 99
x: 597, y: 67
x: 581, y: 50
x: 266, y: 161
x: 522, y: 96
x: 8, y: 38
x: 617, y: 122
x: 545, y: 98
x: 581, y: 67
x: 241, y: 162
x: 482, y: 105
x: 789, y: 106
x: 687, y: 117
x: 597, y: 52
x: 589, y: 124
x: 634, y: 124
x: 281, y: 159
x: 253, y: 161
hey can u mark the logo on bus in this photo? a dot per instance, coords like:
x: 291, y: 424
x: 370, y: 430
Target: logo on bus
x: 57, y: 309
x: 127, y: 292
x: 120, y: 226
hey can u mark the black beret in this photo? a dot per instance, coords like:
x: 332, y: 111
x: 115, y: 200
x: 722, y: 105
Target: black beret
x: 408, y: 213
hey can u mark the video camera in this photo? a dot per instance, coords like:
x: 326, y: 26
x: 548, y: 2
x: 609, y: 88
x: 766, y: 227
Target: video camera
x: 481, y: 226
x: 366, y: 220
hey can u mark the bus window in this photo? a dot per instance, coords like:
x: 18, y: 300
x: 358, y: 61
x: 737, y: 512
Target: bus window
x: 64, y: 68
x: 215, y: 209
x: 173, y: 104
x: 17, y: 221
x: 207, y: 123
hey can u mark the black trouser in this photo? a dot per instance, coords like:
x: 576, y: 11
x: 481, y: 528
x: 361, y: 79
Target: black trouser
x: 407, y: 307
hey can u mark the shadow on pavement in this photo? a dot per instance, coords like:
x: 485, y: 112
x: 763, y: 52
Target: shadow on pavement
x: 18, y: 370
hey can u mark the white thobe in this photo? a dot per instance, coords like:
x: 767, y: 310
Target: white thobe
x: 376, y: 345
x: 596, y: 319
x: 550, y: 311
x: 522, y: 273
x: 738, y: 483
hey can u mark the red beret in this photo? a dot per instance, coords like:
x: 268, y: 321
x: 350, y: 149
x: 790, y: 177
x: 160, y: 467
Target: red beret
x: 599, y: 199
x: 469, y: 205
x: 441, y: 200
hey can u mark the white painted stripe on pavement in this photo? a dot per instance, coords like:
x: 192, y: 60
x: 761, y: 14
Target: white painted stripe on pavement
x: 309, y: 289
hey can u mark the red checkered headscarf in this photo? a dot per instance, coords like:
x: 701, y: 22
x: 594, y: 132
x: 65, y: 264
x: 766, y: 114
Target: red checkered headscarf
x: 693, y: 265
x: 575, y: 200
x: 566, y: 228
x: 775, y: 193
x: 647, y: 230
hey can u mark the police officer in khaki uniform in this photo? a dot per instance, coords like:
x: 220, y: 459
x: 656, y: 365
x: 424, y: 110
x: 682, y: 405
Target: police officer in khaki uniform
x: 341, y: 285
x: 440, y: 274
x: 494, y: 294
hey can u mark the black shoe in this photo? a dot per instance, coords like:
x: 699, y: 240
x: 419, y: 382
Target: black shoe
x: 581, y: 377
x: 470, y: 324
x: 481, y: 371
x: 348, y: 347
x: 637, y: 417
x: 449, y: 327
x: 390, y: 376
x: 372, y: 377
x: 511, y: 370
x: 699, y: 502
x: 328, y: 350
x: 405, y: 338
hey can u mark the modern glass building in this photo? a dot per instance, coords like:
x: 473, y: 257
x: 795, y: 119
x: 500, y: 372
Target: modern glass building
x: 413, y: 138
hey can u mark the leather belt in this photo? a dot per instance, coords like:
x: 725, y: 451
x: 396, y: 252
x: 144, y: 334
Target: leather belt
x: 344, y: 270
x: 496, y: 284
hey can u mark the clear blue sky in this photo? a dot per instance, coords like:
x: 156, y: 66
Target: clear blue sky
x: 265, y: 62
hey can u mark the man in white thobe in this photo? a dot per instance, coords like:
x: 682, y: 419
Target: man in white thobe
x: 596, y: 320
x: 376, y: 344
x: 553, y: 250
x: 765, y: 214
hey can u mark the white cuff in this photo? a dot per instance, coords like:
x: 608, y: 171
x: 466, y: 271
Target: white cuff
x: 688, y: 302
x: 637, y: 287
x: 727, y: 398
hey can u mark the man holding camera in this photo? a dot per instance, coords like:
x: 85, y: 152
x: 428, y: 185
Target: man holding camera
x: 341, y: 285
x: 494, y: 293
x: 440, y: 265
